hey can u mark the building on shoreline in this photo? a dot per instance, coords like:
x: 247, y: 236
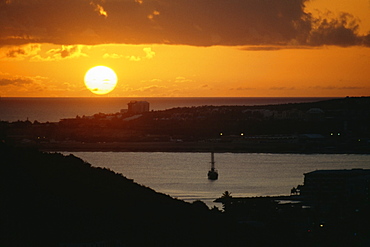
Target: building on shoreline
x: 336, y: 186
x: 138, y: 106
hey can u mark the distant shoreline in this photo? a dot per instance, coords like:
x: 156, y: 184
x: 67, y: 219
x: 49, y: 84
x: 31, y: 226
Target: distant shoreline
x: 328, y: 127
x: 50, y: 109
x: 195, y: 147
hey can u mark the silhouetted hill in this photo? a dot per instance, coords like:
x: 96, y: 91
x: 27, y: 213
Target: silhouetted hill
x: 51, y: 199
x: 331, y: 126
x: 351, y: 103
x: 48, y: 199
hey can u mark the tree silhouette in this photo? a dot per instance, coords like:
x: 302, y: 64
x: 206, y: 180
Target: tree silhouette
x: 226, y: 201
x: 226, y: 195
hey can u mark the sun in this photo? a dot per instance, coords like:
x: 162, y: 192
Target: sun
x: 100, y: 80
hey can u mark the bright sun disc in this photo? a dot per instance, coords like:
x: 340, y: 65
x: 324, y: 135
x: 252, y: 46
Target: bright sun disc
x: 100, y: 80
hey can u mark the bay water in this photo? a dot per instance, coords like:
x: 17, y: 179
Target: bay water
x: 184, y: 175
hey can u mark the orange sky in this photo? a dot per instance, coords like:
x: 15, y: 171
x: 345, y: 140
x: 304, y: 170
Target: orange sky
x: 209, y: 48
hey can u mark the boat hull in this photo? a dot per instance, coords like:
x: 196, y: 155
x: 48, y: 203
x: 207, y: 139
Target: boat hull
x: 212, y: 175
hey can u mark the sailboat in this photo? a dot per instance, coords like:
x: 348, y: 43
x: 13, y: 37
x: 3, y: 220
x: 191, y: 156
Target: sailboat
x: 212, y: 174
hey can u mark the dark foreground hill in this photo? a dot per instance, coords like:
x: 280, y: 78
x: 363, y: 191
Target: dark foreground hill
x: 48, y: 199
x: 56, y: 200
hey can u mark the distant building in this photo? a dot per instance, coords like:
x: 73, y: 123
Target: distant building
x: 333, y: 186
x: 138, y: 106
x: 315, y: 114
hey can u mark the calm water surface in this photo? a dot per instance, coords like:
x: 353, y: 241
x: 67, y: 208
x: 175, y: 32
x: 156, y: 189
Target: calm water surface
x: 184, y: 175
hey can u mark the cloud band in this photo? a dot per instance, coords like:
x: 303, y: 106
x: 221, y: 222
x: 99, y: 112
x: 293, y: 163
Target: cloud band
x: 190, y: 22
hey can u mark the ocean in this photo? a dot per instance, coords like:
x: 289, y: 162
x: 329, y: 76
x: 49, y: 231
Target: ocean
x: 184, y: 175
x: 54, y: 109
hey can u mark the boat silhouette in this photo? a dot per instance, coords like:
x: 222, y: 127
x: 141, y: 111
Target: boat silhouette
x: 212, y: 173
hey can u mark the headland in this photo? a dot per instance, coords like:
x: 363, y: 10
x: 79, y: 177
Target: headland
x: 330, y: 126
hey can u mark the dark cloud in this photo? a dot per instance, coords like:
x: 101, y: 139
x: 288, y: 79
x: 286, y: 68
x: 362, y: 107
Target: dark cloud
x: 15, y: 81
x: 19, y: 51
x: 191, y: 22
x: 338, y: 88
x: 263, y: 48
x: 341, y: 31
x: 67, y: 51
x: 243, y: 88
x: 16, y: 52
x: 282, y: 88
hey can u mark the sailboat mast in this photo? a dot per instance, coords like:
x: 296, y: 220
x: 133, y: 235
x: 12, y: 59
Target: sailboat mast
x: 212, y: 161
x: 212, y: 174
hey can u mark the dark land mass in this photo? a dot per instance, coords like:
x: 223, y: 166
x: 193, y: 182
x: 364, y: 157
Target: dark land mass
x: 331, y: 126
x: 55, y: 200
x: 48, y: 199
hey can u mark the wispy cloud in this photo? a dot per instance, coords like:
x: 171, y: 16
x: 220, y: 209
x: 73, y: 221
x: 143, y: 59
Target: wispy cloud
x: 262, y: 48
x: 282, y: 88
x: 69, y: 51
x: 274, y: 48
x: 133, y: 58
x: 155, y: 90
x: 149, y: 54
x: 181, y: 79
x: 64, y: 52
x: 338, y: 88
x: 99, y: 9
x: 152, y: 15
x: 243, y: 88
x: 33, y: 52
x: 17, y: 80
x: 112, y: 55
x: 19, y: 52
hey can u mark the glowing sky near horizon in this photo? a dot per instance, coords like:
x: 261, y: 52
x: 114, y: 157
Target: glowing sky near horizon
x: 181, y: 48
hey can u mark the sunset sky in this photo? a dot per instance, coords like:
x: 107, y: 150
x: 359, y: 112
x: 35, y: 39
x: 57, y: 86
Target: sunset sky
x: 186, y: 48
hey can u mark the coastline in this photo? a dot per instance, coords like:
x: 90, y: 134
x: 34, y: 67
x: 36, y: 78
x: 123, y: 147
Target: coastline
x: 338, y: 126
x: 53, y: 109
x: 196, y: 147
